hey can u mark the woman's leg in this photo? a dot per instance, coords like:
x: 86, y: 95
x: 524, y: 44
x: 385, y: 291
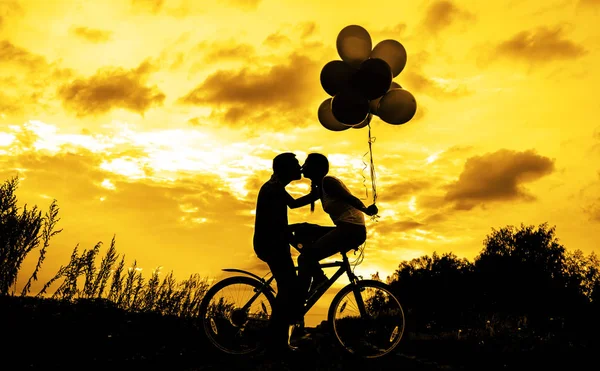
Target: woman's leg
x: 343, y: 237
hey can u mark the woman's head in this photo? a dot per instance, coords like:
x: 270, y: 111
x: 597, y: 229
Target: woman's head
x: 316, y: 166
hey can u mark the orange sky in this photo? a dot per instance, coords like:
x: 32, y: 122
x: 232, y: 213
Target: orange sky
x: 156, y: 121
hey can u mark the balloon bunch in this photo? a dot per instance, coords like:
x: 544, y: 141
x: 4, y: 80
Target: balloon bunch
x: 361, y: 83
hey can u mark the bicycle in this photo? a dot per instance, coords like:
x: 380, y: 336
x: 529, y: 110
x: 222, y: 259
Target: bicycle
x: 365, y: 316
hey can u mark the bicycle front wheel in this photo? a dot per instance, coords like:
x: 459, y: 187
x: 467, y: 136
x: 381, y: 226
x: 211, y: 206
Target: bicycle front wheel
x: 367, y: 319
x: 235, y: 314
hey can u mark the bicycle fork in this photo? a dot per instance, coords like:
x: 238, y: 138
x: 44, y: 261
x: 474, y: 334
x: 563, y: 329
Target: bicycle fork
x: 356, y: 289
x: 359, y: 301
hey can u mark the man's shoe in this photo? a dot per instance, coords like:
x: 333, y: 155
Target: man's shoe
x: 292, y: 348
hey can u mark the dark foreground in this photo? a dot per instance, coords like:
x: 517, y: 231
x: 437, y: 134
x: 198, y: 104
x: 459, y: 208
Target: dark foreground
x: 44, y: 334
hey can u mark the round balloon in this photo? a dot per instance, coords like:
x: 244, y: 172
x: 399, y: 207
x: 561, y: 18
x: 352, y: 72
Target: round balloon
x: 374, y: 104
x: 335, y: 76
x: 397, y: 106
x: 373, y: 78
x: 349, y: 107
x: 364, y: 123
x: 354, y: 45
x: 393, y: 53
x: 327, y: 119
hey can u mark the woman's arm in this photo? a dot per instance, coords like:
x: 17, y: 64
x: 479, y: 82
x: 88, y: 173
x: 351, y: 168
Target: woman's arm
x: 335, y: 188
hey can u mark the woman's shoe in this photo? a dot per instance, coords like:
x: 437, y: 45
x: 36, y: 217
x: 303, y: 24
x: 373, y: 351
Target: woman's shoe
x: 317, y: 282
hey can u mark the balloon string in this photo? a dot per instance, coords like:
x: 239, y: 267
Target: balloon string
x: 373, y: 175
x: 362, y: 173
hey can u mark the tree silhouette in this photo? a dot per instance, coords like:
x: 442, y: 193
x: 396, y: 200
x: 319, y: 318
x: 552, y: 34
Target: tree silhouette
x: 522, y: 278
x: 520, y: 271
x: 526, y: 273
x: 434, y: 290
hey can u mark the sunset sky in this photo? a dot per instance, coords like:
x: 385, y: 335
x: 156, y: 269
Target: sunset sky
x: 157, y: 120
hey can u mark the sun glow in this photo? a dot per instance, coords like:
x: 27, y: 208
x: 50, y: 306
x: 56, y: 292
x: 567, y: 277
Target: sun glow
x: 187, y: 208
x: 433, y: 157
x: 130, y: 168
x: 158, y: 155
x: 412, y: 204
x: 106, y: 183
x: 6, y: 139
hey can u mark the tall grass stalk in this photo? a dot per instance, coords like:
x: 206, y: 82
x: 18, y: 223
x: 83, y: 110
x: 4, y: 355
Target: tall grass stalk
x: 127, y: 288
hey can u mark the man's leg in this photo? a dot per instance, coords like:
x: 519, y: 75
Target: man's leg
x: 284, y: 309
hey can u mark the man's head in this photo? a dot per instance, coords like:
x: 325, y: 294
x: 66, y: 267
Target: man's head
x: 287, y: 167
x: 316, y: 166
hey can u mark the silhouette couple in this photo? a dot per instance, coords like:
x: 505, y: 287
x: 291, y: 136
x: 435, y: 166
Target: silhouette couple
x: 272, y: 236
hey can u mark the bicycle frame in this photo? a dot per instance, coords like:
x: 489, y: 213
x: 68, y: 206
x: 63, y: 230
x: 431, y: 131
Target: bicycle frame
x: 343, y: 267
x: 313, y: 296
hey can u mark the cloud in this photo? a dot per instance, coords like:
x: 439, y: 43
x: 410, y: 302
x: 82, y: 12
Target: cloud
x: 28, y: 81
x: 153, y: 6
x: 245, y: 92
x: 593, y: 210
x: 540, y: 45
x: 416, y: 81
x: 277, y: 39
x: 386, y: 227
x: 216, y: 52
x: 10, y: 104
x: 398, y: 190
x: 591, y: 3
x: 171, y: 8
x: 307, y: 29
x: 8, y: 10
x: 302, y: 32
x: 497, y: 176
x: 442, y: 14
x: 92, y: 34
x: 396, y: 32
x: 112, y: 88
x: 20, y: 57
x: 243, y: 4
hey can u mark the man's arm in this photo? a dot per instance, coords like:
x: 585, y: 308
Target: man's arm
x: 301, y: 201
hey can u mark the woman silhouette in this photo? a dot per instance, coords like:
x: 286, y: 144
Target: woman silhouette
x: 346, y: 212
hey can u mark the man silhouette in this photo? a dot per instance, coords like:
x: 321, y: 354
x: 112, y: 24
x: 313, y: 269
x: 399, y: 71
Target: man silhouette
x: 272, y: 245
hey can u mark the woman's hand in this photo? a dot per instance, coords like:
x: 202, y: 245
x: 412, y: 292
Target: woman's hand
x: 371, y: 210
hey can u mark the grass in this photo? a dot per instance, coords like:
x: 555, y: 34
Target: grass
x: 45, y: 333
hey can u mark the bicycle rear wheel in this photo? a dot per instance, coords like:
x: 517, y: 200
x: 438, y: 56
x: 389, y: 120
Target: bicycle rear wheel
x: 367, y: 319
x: 235, y: 314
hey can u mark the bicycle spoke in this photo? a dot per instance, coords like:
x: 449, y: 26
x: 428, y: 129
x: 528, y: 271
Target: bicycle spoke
x: 213, y: 326
x: 375, y: 332
x: 235, y: 314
